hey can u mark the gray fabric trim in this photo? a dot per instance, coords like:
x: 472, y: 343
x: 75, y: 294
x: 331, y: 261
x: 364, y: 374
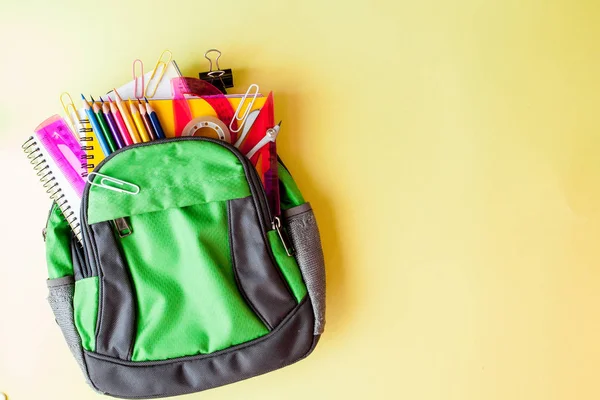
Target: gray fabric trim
x: 65, y: 280
x: 304, y: 233
x: 60, y: 298
x: 291, y: 341
x: 302, y: 208
x: 257, y: 275
x: 117, y: 309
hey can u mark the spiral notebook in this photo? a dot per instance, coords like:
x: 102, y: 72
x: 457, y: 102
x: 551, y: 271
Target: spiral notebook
x: 91, y: 154
x: 56, y: 156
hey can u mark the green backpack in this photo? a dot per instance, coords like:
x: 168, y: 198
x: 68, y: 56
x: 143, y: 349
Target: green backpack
x: 192, y: 287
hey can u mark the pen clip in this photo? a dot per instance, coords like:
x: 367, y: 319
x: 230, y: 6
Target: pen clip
x: 121, y: 186
x: 236, y: 117
x: 159, y: 63
x: 138, y: 94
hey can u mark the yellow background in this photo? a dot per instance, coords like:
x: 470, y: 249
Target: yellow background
x: 449, y: 148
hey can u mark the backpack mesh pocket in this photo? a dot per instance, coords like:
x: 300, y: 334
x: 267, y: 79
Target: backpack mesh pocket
x: 304, y: 233
x: 60, y: 298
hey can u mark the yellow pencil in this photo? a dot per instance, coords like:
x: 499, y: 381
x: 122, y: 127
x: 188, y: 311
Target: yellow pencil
x: 135, y: 137
x: 138, y: 122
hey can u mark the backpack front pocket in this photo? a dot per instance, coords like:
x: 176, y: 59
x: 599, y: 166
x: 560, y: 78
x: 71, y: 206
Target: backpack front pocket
x: 196, y: 273
x: 186, y: 294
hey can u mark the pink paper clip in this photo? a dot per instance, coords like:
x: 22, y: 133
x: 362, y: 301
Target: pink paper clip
x: 138, y: 94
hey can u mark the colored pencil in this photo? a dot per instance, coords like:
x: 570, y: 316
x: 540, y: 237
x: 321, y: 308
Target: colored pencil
x: 135, y: 137
x: 103, y: 125
x: 146, y: 119
x: 96, y: 127
x: 120, y: 123
x: 160, y: 134
x: 139, y: 124
x: 112, y: 124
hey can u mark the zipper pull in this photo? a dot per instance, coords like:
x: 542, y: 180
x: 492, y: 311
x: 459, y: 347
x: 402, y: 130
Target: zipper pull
x: 289, y: 249
x: 123, y: 227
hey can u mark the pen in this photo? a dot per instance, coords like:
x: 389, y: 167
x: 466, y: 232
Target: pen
x: 112, y: 124
x: 135, y: 114
x: 96, y: 127
x: 120, y: 123
x: 104, y: 126
x: 135, y: 137
x: 160, y: 134
x: 146, y: 119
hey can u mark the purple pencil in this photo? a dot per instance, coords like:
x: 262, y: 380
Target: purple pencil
x: 112, y: 124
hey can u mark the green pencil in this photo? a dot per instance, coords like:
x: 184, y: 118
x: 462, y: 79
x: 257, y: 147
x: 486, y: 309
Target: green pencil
x: 104, y: 126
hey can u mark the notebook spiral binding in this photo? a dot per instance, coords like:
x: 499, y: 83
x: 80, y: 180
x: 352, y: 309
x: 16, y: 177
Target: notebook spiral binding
x: 37, y: 160
x: 83, y: 139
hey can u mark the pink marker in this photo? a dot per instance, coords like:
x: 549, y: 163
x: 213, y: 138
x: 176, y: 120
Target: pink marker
x: 120, y: 123
x: 60, y: 143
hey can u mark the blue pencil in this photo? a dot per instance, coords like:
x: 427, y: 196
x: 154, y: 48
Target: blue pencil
x: 96, y: 127
x: 155, y: 122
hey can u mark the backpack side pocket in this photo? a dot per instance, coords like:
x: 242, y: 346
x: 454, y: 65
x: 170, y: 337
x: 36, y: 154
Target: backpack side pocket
x: 304, y: 234
x: 63, y: 269
x: 60, y: 298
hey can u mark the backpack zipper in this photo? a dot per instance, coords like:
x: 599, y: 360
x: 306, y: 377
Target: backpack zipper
x: 257, y: 189
x: 285, y: 240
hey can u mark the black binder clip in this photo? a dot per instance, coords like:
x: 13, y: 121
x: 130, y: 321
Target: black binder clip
x: 220, y: 78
